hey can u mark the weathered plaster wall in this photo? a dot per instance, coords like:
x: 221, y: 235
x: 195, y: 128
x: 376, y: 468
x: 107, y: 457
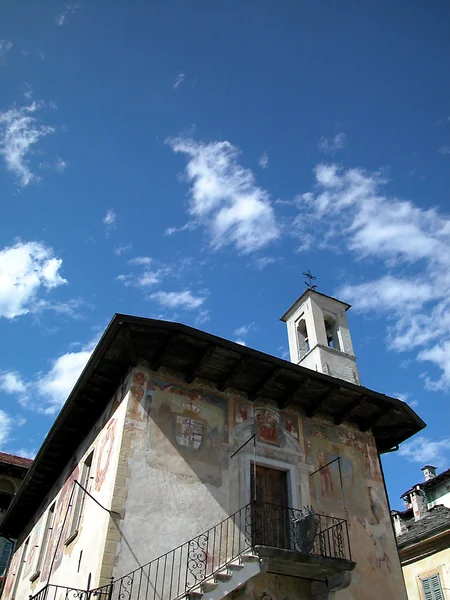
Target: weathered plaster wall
x: 181, y: 481
x: 273, y: 587
x: 436, y: 563
x: 79, y: 561
x: 180, y: 478
x: 361, y: 496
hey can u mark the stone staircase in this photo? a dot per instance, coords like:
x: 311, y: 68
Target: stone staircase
x: 224, y: 581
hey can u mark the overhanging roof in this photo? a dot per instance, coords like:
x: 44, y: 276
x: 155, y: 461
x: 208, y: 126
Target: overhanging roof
x: 195, y: 353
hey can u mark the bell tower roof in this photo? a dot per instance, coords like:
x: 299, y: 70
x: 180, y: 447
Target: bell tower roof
x: 303, y: 298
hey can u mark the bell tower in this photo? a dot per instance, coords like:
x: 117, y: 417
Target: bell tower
x: 319, y: 337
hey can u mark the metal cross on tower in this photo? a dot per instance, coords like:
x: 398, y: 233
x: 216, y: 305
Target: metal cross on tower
x: 310, y: 277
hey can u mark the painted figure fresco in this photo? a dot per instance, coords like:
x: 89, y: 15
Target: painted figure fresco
x: 32, y: 549
x: 55, y: 546
x: 12, y: 573
x: 267, y: 425
x: 104, y: 454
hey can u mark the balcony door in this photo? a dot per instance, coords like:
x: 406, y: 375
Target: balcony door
x: 270, y: 514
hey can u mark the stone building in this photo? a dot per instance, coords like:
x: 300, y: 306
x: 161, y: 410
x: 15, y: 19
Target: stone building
x: 12, y: 471
x: 183, y: 464
x: 423, y: 536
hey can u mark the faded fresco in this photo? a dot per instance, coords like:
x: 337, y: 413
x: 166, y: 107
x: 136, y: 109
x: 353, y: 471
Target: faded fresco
x: 12, y: 572
x: 352, y: 485
x: 104, y: 453
x: 33, y: 549
x: 271, y: 426
x: 187, y: 422
x: 60, y: 530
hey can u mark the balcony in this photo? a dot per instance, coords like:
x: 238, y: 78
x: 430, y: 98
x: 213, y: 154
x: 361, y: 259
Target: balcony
x: 260, y: 537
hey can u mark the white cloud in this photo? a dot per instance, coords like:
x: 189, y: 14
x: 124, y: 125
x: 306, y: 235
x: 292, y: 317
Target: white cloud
x: 179, y: 80
x: 62, y: 18
x: 202, y: 317
x: 140, y: 260
x: 6, y: 424
x: 119, y: 250
x: 263, y: 262
x: 405, y: 398
x: 47, y: 392
x: 240, y: 342
x: 145, y: 279
x: 263, y: 160
x: 185, y: 299
x: 25, y: 453
x: 60, y: 165
x: 444, y: 150
x: 224, y: 196
x: 19, y: 132
x: 333, y: 144
x: 12, y: 383
x: 54, y: 386
x: 5, y: 46
x: 189, y: 226
x: 25, y: 270
x: 110, y: 218
x: 425, y: 451
x: 244, y: 330
x: 349, y: 210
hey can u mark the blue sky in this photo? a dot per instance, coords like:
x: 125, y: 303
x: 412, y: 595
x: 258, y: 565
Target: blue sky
x: 189, y: 160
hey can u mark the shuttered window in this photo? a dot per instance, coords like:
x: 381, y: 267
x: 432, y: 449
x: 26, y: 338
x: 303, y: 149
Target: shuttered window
x: 432, y: 589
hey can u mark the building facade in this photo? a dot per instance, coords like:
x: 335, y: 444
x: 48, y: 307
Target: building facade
x: 183, y: 464
x: 12, y: 472
x: 423, y: 536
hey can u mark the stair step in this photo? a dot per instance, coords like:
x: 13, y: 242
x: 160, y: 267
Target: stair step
x: 249, y: 557
x: 223, y: 576
x: 234, y: 566
x: 209, y: 586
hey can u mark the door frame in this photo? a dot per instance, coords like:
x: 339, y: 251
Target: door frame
x: 292, y: 483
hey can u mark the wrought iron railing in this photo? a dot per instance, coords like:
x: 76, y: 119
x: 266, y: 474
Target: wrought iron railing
x: 174, y: 574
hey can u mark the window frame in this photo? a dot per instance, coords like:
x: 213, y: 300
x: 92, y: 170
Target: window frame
x: 80, y: 498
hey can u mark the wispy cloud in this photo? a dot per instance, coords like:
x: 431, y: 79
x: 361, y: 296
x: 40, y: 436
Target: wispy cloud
x: 109, y: 220
x: 179, y: 80
x: 119, y: 250
x: 262, y: 262
x: 444, y: 150
x: 243, y: 330
x: 240, y: 342
x: 224, y: 196
x: 62, y: 18
x: 49, y: 390
x: 425, y: 451
x: 189, y: 226
x: 6, y: 425
x: 143, y: 280
x: 27, y: 269
x: 5, y: 46
x: 140, y: 260
x: 19, y: 132
x: 263, y: 160
x: 332, y: 144
x: 349, y: 209
x: 184, y: 299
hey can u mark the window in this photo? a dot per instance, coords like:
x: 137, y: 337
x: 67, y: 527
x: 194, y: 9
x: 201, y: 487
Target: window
x: 45, y: 541
x: 80, y: 498
x: 431, y: 587
x: 23, y: 558
x: 6, y: 547
x: 303, y: 341
x: 331, y: 332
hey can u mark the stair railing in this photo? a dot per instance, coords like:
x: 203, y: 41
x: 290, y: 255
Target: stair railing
x: 181, y: 570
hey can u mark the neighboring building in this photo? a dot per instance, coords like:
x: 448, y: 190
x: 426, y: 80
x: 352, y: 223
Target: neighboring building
x: 423, y: 537
x: 181, y: 463
x: 12, y: 471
